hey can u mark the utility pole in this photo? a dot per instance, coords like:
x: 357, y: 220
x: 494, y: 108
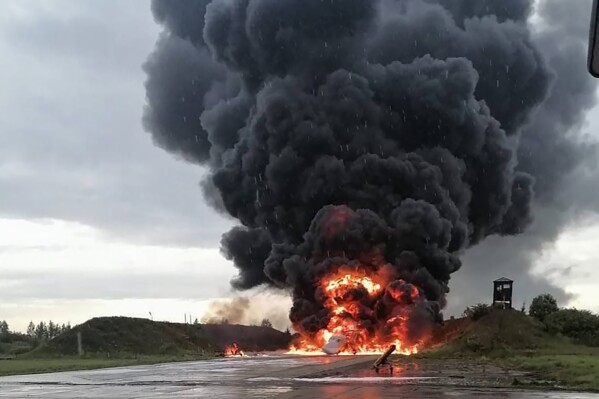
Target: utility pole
x: 79, y: 344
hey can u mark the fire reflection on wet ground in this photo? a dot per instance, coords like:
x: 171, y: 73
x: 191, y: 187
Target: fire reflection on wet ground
x: 280, y: 377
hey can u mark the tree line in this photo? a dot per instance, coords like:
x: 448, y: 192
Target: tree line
x: 46, y: 331
x: 42, y: 331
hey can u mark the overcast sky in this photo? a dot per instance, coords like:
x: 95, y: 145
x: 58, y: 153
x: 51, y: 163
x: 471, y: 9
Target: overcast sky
x: 94, y: 219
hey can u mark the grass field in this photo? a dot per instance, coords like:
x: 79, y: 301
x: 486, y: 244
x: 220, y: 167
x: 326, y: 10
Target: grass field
x: 36, y: 366
x: 574, y: 371
x: 515, y: 341
x: 567, y: 366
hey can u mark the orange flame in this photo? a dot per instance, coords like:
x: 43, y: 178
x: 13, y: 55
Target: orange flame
x: 343, y: 296
x: 233, y: 350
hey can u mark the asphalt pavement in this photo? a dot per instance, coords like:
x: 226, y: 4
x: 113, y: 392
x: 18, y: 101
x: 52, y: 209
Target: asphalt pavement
x: 279, y: 377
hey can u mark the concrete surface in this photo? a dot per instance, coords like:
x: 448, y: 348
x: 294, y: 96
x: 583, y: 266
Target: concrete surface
x: 261, y: 377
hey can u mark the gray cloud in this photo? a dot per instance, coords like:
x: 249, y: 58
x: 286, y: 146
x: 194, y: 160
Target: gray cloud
x: 72, y: 142
x: 41, y: 285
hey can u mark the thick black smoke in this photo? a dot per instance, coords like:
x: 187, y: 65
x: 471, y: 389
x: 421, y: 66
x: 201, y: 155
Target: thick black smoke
x: 342, y: 131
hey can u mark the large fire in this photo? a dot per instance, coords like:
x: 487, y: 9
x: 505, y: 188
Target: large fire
x: 352, y: 297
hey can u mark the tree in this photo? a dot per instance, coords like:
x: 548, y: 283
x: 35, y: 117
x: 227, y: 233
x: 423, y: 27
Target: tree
x: 542, y: 306
x: 4, y: 330
x: 266, y: 323
x: 52, y: 330
x: 31, y: 329
x: 41, y: 331
x: 580, y: 325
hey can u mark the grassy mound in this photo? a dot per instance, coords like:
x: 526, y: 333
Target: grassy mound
x: 14, y: 344
x: 512, y: 340
x: 499, y: 332
x: 123, y: 335
x: 119, y: 336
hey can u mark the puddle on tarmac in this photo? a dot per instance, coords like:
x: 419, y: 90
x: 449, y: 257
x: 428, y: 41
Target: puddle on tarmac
x: 267, y: 392
x: 371, y: 380
x: 349, y: 380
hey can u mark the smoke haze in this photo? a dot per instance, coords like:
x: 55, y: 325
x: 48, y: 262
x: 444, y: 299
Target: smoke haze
x: 248, y: 311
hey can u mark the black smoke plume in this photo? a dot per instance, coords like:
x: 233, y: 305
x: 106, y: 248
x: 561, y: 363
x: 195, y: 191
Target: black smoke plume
x: 341, y: 132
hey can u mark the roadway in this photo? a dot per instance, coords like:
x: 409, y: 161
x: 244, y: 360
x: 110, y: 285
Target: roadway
x: 280, y: 377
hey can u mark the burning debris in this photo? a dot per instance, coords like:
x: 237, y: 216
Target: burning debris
x: 233, y: 350
x: 383, y: 360
x: 359, y: 150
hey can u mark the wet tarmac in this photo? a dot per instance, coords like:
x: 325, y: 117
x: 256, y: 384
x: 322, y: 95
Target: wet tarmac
x: 261, y: 377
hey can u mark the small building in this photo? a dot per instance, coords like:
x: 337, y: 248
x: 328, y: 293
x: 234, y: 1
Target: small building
x: 502, y: 293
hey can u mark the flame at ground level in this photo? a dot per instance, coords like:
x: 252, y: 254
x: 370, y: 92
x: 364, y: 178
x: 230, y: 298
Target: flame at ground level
x: 312, y: 350
x: 233, y: 350
x: 368, y: 311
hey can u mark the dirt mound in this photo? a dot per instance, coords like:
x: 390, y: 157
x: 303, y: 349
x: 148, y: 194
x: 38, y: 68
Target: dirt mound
x: 123, y: 335
x: 500, y: 331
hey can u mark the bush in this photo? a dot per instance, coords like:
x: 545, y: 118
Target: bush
x: 266, y: 323
x: 477, y: 311
x: 542, y: 306
x: 580, y: 325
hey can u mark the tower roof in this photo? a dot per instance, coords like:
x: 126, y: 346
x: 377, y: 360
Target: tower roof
x: 503, y: 280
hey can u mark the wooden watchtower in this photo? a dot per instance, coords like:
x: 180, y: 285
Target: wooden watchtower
x: 502, y: 293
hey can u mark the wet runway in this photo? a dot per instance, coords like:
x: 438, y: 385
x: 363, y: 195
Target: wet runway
x: 264, y: 377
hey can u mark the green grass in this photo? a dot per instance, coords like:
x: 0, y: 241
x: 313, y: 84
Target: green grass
x: 36, y: 366
x: 514, y: 341
x: 578, y: 369
x: 15, y: 347
x: 543, y: 346
x: 559, y: 364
